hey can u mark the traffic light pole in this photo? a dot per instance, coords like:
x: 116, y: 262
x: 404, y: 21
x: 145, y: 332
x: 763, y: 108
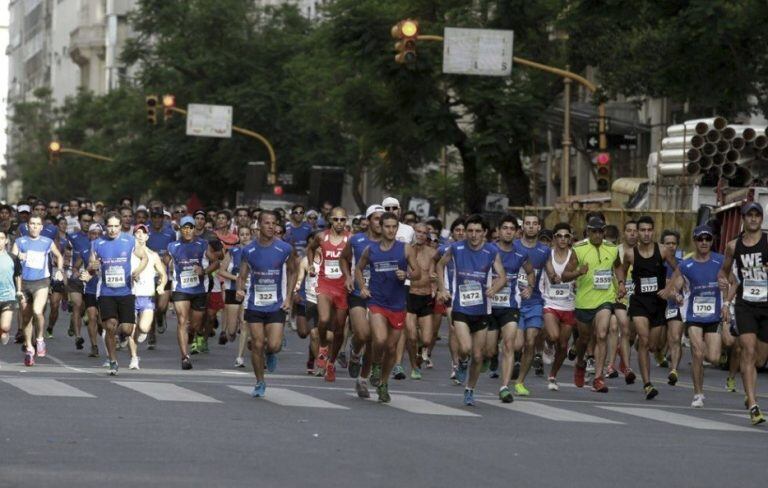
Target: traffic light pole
x: 272, y: 158
x: 65, y: 150
x: 568, y: 75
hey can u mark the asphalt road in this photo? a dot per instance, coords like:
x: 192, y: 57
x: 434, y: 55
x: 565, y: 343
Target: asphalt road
x: 65, y: 422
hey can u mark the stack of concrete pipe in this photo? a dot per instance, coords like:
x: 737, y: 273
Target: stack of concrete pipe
x: 715, y: 149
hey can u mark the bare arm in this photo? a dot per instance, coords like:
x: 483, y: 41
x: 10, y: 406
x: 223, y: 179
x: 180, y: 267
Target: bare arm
x: 572, y: 269
x: 725, y: 273
x: 364, y: 292
x: 292, y: 275
x: 410, y: 256
x: 441, y: 264
x: 242, y: 276
x: 224, y: 266
x: 311, y: 247
x: 501, y: 277
x: 160, y: 270
x: 345, y: 262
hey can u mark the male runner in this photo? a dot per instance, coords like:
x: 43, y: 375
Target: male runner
x: 750, y: 253
x: 625, y: 329
x: 79, y: 242
x: 160, y: 236
x: 473, y: 261
x: 150, y: 281
x: 648, y: 304
x: 271, y: 265
x: 389, y: 260
x: 90, y: 287
x: 297, y: 231
x: 10, y: 288
x: 674, y: 319
x: 458, y: 234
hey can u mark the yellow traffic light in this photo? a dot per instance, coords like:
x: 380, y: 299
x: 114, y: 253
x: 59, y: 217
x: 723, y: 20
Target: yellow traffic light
x: 407, y: 32
x: 169, y: 101
x: 54, y: 150
x: 409, y: 28
x: 152, y: 109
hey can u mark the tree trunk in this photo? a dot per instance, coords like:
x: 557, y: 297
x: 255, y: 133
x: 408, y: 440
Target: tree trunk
x: 515, y: 180
x: 473, y: 195
x: 357, y: 184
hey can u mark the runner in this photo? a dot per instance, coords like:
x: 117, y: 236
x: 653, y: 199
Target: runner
x: 473, y: 261
x: 33, y: 250
x: 594, y: 264
x: 58, y: 288
x: 90, y: 287
x: 331, y: 291
x: 189, y: 295
x: 10, y: 288
x: 305, y: 297
x: 111, y: 257
x: 625, y: 328
x: 559, y: 305
x: 750, y: 253
x: 297, y: 231
x: 458, y: 234
x: 703, y: 305
x: 79, y: 242
x: 228, y: 271
x: 271, y: 265
x: 160, y: 236
x: 648, y: 304
x: 674, y: 319
x: 389, y: 260
x: 150, y: 281
x: 405, y: 232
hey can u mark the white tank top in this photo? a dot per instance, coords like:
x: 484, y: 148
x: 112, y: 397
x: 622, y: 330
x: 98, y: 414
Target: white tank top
x: 145, y: 285
x: 558, y: 297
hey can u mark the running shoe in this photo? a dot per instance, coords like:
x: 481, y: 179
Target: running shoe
x: 134, y: 363
x: 730, y: 385
x: 415, y: 374
x: 310, y: 365
x: 549, y: 353
x: 494, y: 363
x: 79, y: 343
x: 239, y: 362
x: 521, y: 390
x: 141, y: 338
x: 383, y: 391
x: 19, y: 339
x: 629, y: 376
x: 428, y: 363
x: 611, y: 372
x: 486, y: 365
x: 71, y: 330
x: 259, y: 389
x: 94, y: 352
x: 698, y: 401
x: 755, y: 415
x: 5, y: 338
x: 493, y: 373
x: 538, y: 365
x: 151, y: 341
x: 49, y: 333
x: 361, y: 387
x: 193, y: 349
x: 672, y: 378
x: 398, y: 372
x: 552, y: 384
x: 113, y: 368
x: 505, y: 395
x: 375, y: 375
x: 203, y: 346
x: 599, y: 386
x: 469, y: 397
x: 160, y: 324
x: 571, y: 353
x: 578, y: 375
x: 661, y: 360
x: 453, y: 374
x: 186, y: 363
x: 461, y: 371
x: 590, y: 365
x: 40, y: 347
x: 322, y: 358
x: 29, y: 357
x: 342, y: 360
x: 271, y: 362
x: 355, y: 365
x: 330, y: 372
x: 650, y: 391
x: 222, y: 338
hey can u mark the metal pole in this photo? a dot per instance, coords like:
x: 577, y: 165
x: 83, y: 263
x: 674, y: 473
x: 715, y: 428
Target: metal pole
x: 565, y: 169
x: 444, y: 167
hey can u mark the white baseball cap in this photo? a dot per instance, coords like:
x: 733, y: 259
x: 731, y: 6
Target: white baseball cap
x: 390, y: 202
x: 372, y: 210
x: 23, y: 208
x: 95, y: 226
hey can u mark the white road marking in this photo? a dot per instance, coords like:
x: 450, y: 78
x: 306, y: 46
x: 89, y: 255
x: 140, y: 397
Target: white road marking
x: 166, y: 392
x: 679, y: 419
x: 423, y: 407
x: 550, y: 413
x: 289, y: 398
x: 43, y: 387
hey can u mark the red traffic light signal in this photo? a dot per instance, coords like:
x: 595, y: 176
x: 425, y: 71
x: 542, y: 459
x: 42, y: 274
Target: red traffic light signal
x: 152, y: 109
x: 278, y: 190
x: 603, y: 171
x: 407, y: 32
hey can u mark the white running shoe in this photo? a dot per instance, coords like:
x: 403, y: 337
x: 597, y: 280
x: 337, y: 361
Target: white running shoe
x: 549, y: 353
x: 142, y: 337
x: 134, y: 363
x: 552, y: 384
x: 239, y: 362
x: 698, y: 401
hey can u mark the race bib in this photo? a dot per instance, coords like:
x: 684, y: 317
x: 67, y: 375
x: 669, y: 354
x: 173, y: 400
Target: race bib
x: 501, y: 299
x: 332, y: 268
x: 559, y: 291
x: 264, y: 295
x: 630, y: 287
x: 114, y: 277
x: 35, y: 260
x: 755, y: 290
x: 602, y: 279
x: 671, y: 313
x: 311, y: 291
x: 649, y: 285
x: 189, y: 278
x: 367, y: 276
x: 470, y: 295
x: 522, y: 280
x: 704, y: 306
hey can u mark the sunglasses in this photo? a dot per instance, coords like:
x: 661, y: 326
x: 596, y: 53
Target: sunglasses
x: 389, y: 209
x: 563, y: 236
x: 339, y: 219
x: 53, y: 207
x: 703, y: 238
x: 297, y: 212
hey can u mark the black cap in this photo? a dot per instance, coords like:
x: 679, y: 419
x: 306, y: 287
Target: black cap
x: 200, y: 212
x: 595, y: 223
x: 751, y: 206
x: 546, y: 234
x: 156, y: 212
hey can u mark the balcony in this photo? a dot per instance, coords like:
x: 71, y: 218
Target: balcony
x: 85, y: 42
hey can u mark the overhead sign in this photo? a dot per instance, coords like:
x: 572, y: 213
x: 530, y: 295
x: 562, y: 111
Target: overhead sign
x: 496, y: 202
x: 420, y: 206
x: 484, y: 52
x: 209, y: 120
x: 615, y: 141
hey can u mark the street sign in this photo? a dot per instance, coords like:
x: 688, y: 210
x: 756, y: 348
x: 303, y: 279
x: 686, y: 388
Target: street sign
x: 420, y: 206
x: 496, y: 202
x: 485, y: 52
x: 594, y: 125
x: 615, y: 141
x: 209, y: 120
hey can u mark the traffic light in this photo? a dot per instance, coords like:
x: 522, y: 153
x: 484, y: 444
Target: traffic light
x: 169, y: 102
x: 278, y: 190
x: 54, y: 151
x: 152, y: 109
x: 406, y: 32
x: 603, y: 171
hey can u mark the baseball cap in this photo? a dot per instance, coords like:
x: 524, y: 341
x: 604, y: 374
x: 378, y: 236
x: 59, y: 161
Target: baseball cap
x: 546, y: 234
x: 166, y: 213
x: 703, y: 229
x: 390, y: 202
x: 199, y: 212
x: 187, y: 220
x: 95, y: 226
x: 311, y: 213
x: 373, y: 209
x: 23, y: 208
x: 595, y: 223
x: 141, y: 227
x: 745, y: 209
x: 157, y: 212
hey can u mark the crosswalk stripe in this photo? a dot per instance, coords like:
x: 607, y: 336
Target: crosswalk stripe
x: 43, y: 387
x: 290, y: 398
x: 550, y: 413
x: 423, y: 407
x: 678, y: 419
x: 166, y: 392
